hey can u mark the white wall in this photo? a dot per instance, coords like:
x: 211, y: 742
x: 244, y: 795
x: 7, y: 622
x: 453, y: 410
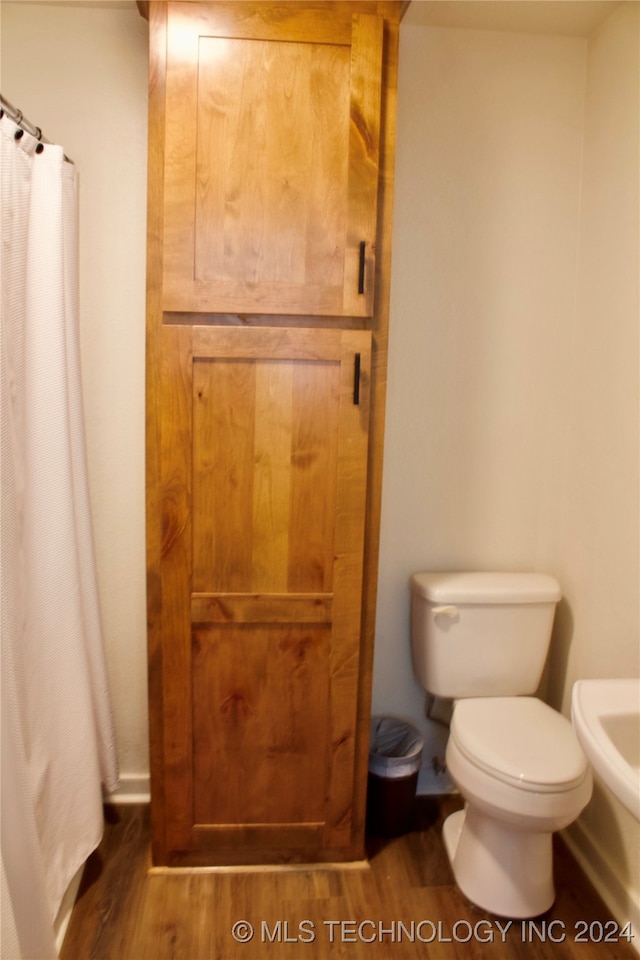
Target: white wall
x: 485, y: 244
x: 80, y: 73
x: 512, y: 416
x: 596, y: 543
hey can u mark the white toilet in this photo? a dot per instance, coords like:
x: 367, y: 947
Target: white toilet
x: 481, y: 639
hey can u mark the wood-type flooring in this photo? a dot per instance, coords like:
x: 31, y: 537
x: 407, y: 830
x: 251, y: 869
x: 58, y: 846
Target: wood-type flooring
x: 402, y: 903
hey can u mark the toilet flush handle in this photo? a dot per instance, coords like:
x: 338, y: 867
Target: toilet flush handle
x: 449, y: 610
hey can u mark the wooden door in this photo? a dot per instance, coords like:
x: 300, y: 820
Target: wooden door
x: 271, y: 159
x: 262, y: 498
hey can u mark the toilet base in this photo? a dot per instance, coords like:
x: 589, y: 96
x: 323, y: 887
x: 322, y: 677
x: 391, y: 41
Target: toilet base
x: 500, y: 868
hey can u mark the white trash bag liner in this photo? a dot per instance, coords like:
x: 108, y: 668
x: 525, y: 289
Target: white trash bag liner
x: 395, y: 748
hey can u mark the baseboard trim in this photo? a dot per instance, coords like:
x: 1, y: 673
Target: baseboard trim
x: 594, y: 864
x: 133, y: 788
x: 434, y: 782
x: 271, y: 868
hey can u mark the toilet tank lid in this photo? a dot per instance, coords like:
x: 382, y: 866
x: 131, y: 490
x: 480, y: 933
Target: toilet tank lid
x: 477, y: 587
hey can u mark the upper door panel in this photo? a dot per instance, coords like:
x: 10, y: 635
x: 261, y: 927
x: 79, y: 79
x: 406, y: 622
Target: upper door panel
x: 271, y: 160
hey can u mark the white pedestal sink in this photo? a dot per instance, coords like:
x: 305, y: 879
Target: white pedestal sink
x: 606, y: 718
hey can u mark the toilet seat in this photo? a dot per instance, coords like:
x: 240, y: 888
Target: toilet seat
x: 520, y: 741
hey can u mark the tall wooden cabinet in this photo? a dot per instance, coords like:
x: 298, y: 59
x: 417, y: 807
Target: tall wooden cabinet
x: 271, y: 159
x: 270, y: 164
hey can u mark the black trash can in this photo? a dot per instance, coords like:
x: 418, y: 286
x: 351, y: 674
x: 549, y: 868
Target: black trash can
x: 395, y: 754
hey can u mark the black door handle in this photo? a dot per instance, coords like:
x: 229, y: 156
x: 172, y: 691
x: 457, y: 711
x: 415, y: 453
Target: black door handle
x: 363, y: 246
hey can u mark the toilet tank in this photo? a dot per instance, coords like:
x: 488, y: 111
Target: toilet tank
x: 481, y: 634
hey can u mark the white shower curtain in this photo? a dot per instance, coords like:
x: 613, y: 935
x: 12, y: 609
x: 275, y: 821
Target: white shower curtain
x: 57, y: 733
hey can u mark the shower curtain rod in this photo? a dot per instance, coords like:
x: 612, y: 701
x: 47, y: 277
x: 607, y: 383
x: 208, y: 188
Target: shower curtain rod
x: 17, y: 116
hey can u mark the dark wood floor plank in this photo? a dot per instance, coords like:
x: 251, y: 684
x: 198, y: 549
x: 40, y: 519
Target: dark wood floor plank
x: 402, y: 904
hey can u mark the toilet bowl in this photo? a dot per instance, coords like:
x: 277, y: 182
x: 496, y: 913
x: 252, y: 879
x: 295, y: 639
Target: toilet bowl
x: 523, y: 775
x: 481, y: 640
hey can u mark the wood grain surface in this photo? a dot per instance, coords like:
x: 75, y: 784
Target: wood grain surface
x: 127, y: 911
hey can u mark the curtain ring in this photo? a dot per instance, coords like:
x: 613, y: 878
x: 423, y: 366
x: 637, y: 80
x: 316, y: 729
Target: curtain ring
x: 18, y: 134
